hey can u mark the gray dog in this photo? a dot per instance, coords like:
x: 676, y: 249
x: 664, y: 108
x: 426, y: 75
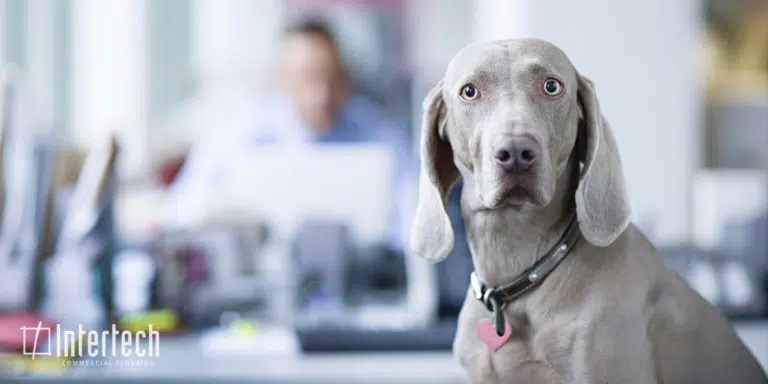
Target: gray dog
x: 565, y: 288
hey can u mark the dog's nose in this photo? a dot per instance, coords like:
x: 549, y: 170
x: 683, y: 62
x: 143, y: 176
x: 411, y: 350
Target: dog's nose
x: 516, y: 153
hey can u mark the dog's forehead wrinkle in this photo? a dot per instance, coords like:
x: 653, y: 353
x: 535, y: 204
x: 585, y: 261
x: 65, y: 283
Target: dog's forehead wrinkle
x: 535, y: 47
x: 521, y: 57
x: 468, y: 65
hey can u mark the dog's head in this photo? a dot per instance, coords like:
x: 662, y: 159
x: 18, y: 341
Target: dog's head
x: 507, y: 117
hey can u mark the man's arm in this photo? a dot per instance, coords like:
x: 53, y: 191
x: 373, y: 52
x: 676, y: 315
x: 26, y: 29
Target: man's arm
x: 229, y: 123
x: 405, y: 180
x: 191, y: 192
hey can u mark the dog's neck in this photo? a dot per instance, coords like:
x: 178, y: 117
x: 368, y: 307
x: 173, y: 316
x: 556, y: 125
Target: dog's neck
x: 504, y: 246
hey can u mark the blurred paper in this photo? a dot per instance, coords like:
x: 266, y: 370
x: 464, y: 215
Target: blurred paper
x: 268, y: 341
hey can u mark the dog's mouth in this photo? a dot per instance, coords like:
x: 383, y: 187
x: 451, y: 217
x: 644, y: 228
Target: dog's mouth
x: 515, y: 194
x: 505, y: 189
x: 518, y: 195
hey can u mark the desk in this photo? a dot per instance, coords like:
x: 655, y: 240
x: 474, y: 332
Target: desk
x: 181, y: 360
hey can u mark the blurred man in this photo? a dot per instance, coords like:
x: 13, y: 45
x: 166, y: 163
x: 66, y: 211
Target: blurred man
x: 311, y: 73
x: 311, y: 103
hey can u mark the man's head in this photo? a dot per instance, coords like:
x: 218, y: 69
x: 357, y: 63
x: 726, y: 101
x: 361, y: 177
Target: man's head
x: 312, y: 73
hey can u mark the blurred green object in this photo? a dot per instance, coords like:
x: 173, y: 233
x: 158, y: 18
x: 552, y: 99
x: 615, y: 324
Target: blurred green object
x: 245, y: 328
x: 163, y: 320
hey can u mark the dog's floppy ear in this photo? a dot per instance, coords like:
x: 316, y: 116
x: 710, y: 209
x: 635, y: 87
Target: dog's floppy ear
x: 602, y: 205
x: 432, y: 234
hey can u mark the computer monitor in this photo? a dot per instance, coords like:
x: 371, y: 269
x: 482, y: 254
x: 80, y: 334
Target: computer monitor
x: 288, y: 185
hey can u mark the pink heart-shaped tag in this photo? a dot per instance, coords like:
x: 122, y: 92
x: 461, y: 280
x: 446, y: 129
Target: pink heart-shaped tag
x: 488, y: 335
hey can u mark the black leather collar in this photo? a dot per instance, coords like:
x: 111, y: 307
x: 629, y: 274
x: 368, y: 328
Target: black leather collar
x: 496, y: 298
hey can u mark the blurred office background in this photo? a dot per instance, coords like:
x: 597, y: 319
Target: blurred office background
x: 104, y: 99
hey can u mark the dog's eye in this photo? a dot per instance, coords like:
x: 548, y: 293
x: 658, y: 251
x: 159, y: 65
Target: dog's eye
x: 469, y: 92
x: 553, y: 87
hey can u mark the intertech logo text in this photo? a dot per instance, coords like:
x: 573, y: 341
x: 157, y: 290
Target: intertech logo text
x: 82, y: 344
